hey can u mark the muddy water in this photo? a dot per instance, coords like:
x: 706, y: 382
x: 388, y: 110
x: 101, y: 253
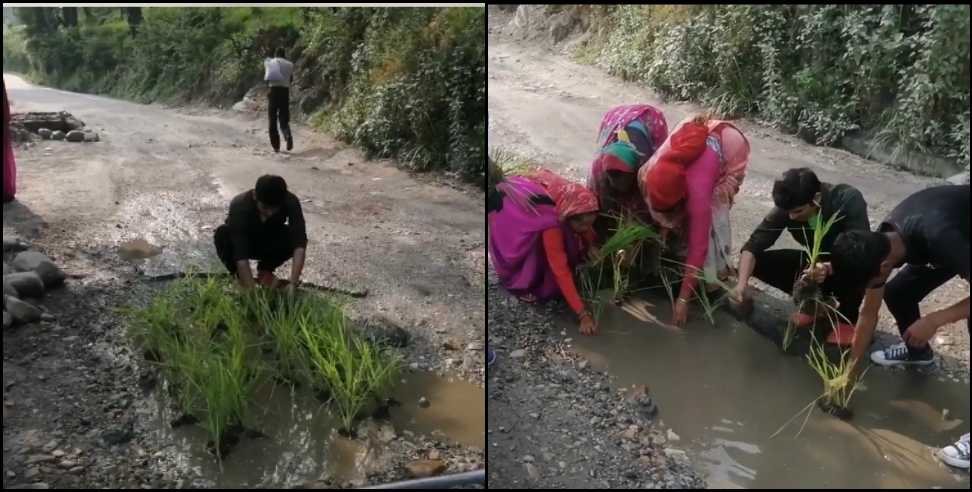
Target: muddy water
x: 301, y: 442
x: 725, y: 390
x: 456, y: 409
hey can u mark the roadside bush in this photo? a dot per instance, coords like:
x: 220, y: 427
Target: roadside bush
x: 821, y: 71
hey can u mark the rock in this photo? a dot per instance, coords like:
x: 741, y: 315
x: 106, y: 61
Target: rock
x: 74, y: 136
x: 451, y: 345
x: 672, y: 436
x: 39, y: 458
x: 32, y: 261
x: 631, y: 433
x: 91, y: 137
x: 518, y: 354
x: 676, y: 454
x: 76, y: 470
x: 385, y: 333
x: 532, y: 472
x: 7, y: 320
x: 117, y: 436
x: 14, y: 245
x: 34, y: 121
x: 535, y: 416
x: 9, y: 290
x: 44, y: 133
x: 425, y: 468
x: 58, y: 454
x: 528, y: 459
x: 58, y: 135
x: 474, y: 347
x: 27, y: 284
x: 434, y: 454
x: 386, y: 434
x: 21, y: 312
x: 583, y: 364
x: 424, y: 402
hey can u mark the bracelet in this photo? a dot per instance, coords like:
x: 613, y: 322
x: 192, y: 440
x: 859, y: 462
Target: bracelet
x: 683, y: 300
x: 586, y: 314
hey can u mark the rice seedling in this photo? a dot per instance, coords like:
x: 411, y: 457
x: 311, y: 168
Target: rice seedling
x: 806, y: 291
x: 355, y: 372
x: 209, y: 352
x: 701, y: 291
x: 630, y: 236
x: 509, y: 163
x: 278, y: 316
x: 619, y: 277
x: 590, y: 277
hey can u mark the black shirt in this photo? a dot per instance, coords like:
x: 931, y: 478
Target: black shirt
x: 247, y: 229
x: 934, y: 225
x: 843, y: 199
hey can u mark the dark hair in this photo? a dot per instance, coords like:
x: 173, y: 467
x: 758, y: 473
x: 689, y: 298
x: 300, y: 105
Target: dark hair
x: 857, y: 256
x: 280, y: 53
x: 271, y: 190
x: 796, y: 189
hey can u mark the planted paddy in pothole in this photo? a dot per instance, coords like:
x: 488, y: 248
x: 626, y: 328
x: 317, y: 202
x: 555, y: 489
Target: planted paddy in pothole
x: 266, y: 389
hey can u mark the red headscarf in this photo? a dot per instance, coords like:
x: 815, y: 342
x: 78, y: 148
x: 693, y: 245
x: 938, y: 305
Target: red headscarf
x: 666, y: 179
x: 570, y: 198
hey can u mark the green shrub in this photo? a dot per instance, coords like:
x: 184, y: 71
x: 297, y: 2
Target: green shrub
x: 821, y: 71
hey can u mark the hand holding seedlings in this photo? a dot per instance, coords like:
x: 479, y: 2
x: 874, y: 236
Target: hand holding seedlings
x: 820, y: 272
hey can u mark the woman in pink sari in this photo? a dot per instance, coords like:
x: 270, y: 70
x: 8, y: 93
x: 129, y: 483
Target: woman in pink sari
x: 9, y: 167
x: 689, y: 187
x: 539, y: 232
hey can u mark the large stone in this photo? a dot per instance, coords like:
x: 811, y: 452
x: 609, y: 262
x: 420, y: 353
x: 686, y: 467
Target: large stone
x: 34, y: 121
x: 27, y: 284
x: 75, y: 136
x: 425, y: 468
x: 58, y: 135
x: 21, y: 311
x: 14, y: 244
x: 32, y: 261
x: 9, y: 290
x: 91, y: 137
x: 45, y: 133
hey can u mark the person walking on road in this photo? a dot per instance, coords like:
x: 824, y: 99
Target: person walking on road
x: 279, y: 73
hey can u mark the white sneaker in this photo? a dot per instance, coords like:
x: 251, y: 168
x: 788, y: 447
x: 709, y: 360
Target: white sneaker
x: 898, y: 355
x: 957, y: 455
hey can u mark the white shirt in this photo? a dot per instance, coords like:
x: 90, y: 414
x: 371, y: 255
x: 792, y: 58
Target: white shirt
x: 278, y: 72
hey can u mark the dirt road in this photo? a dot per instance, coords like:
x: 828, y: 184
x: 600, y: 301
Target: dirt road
x: 166, y: 175
x: 544, y: 106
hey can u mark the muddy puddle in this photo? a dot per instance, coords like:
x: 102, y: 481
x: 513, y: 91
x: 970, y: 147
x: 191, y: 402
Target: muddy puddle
x: 301, y: 444
x: 725, y: 390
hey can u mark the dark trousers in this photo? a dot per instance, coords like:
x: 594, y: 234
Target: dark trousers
x: 903, y: 293
x: 271, y: 249
x: 279, y: 109
x: 781, y: 267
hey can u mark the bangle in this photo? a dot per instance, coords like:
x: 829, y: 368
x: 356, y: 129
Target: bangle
x: 683, y: 300
x: 586, y: 314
